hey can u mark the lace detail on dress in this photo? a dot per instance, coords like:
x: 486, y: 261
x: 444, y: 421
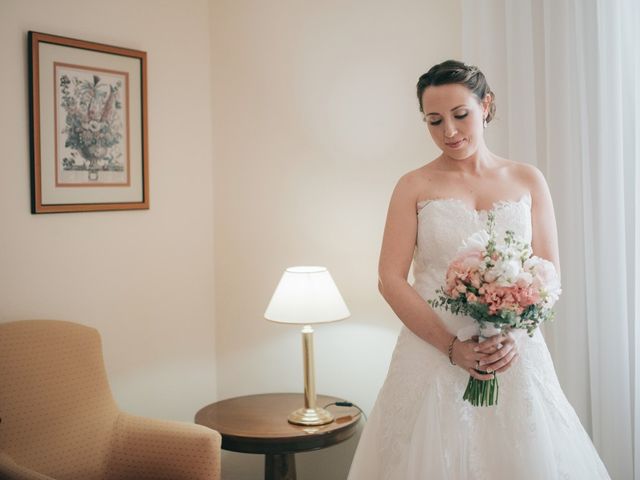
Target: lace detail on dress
x: 496, y: 205
x: 421, y: 428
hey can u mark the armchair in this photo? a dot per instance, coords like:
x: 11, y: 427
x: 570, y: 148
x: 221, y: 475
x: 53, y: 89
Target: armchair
x: 58, y: 418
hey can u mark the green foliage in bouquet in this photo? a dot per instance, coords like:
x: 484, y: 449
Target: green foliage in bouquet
x: 506, y: 320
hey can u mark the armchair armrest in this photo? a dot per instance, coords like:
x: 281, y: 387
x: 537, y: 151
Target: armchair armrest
x: 149, y: 448
x: 10, y: 470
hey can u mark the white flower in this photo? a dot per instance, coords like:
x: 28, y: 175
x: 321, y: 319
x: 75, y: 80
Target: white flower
x: 531, y: 263
x: 477, y: 241
x: 505, y: 271
x: 524, y: 278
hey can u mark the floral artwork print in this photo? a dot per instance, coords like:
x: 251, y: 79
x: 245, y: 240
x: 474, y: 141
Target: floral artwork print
x: 91, y: 131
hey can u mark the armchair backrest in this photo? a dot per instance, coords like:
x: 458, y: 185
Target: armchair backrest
x: 56, y: 408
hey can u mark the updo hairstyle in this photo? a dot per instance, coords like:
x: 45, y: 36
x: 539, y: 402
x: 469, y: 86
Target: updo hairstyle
x: 454, y: 71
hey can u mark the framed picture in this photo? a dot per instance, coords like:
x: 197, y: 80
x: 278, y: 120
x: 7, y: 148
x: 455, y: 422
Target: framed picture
x: 89, y: 140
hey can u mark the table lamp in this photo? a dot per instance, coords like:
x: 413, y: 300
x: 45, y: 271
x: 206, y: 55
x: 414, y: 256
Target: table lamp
x: 305, y: 296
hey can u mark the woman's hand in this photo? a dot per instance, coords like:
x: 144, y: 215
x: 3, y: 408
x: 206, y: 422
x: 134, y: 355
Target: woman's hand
x: 465, y: 356
x: 494, y: 355
x: 501, y: 352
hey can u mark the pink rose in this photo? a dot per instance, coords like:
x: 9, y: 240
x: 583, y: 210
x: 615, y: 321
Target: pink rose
x: 470, y: 259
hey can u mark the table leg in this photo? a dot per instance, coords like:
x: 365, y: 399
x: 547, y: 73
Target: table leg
x: 280, y: 467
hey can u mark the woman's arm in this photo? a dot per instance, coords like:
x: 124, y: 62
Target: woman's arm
x: 398, y: 245
x: 544, y: 241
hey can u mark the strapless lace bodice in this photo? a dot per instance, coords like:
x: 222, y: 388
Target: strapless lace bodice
x: 444, y: 223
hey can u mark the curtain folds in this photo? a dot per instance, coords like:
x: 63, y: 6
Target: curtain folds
x: 567, y: 79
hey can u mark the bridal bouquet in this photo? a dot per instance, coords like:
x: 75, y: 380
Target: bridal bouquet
x: 502, y: 286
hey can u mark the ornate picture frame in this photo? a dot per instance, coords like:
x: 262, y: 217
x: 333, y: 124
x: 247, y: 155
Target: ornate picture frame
x: 89, y: 135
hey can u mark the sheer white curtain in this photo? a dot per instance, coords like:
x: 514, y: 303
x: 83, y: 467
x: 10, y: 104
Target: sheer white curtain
x: 567, y: 79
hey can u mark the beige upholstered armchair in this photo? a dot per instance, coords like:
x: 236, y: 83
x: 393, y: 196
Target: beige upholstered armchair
x: 58, y: 419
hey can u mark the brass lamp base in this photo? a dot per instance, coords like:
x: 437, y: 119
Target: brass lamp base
x: 310, y: 416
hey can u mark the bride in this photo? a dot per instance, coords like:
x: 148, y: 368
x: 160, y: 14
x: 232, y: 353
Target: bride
x: 420, y: 427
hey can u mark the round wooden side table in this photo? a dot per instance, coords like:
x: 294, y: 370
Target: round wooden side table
x: 258, y: 424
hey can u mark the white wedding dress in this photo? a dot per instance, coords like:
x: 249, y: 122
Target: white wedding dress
x: 420, y: 428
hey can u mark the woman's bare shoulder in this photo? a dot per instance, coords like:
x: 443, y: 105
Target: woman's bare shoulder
x: 529, y: 175
x: 422, y: 176
x: 410, y: 187
x: 413, y: 181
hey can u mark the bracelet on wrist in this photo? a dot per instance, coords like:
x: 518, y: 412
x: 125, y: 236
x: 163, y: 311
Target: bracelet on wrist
x: 451, y: 349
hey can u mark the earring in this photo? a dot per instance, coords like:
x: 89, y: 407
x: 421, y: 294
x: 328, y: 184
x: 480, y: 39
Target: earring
x: 485, y: 122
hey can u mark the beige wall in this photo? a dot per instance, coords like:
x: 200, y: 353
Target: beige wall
x: 315, y: 118
x: 143, y: 278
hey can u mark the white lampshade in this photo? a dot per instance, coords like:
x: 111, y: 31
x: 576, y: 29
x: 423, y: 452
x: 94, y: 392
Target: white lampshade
x: 306, y: 295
